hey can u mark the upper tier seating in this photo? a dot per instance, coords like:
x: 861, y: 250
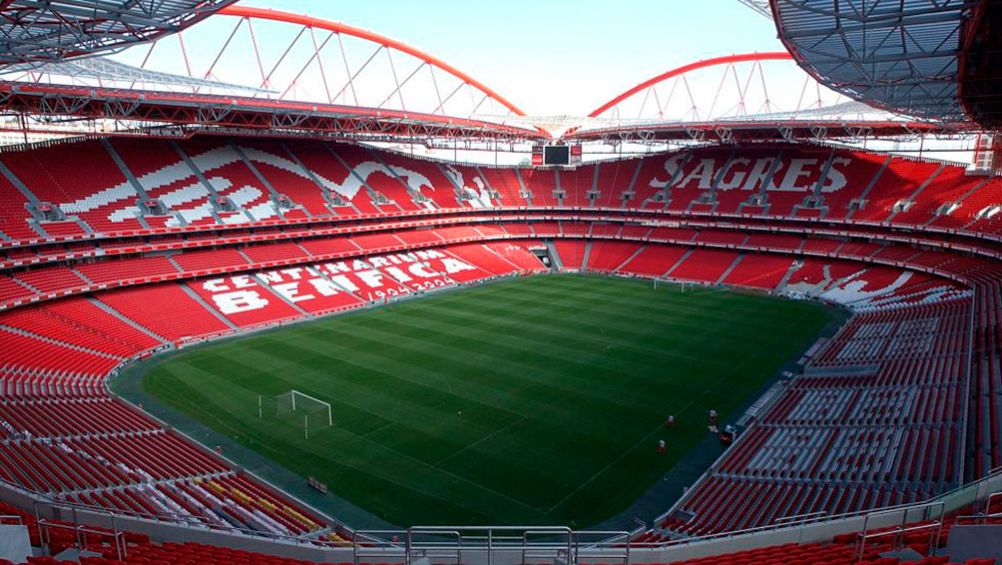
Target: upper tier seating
x: 615, y: 180
x: 542, y: 183
x: 209, y: 181
x: 13, y: 213
x: 230, y: 191
x: 86, y: 183
x: 163, y: 174
x: 505, y: 182
x: 390, y: 193
x: 576, y: 185
x: 277, y: 164
x: 345, y: 186
x: 980, y: 211
x: 424, y: 178
x: 899, y: 182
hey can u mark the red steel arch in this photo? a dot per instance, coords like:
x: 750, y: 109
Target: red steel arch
x: 336, y: 27
x: 716, y: 61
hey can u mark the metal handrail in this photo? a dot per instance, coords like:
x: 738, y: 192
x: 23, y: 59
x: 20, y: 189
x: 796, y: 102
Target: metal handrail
x: 862, y: 536
x: 454, y: 542
x: 611, y: 540
x: 45, y: 527
x: 568, y: 547
x: 935, y: 531
x: 976, y: 518
x: 370, y: 540
x: 14, y: 517
x: 181, y: 519
x: 371, y: 537
x: 801, y: 518
x: 990, y: 499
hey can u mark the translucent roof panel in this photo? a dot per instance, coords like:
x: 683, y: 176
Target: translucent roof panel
x: 52, y: 30
x: 900, y: 55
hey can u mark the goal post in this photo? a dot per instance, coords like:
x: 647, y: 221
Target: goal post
x: 289, y: 405
x: 656, y: 281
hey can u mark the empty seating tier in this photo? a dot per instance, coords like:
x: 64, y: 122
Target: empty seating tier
x: 141, y: 245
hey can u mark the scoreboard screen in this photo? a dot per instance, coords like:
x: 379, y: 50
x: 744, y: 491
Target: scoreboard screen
x: 556, y: 155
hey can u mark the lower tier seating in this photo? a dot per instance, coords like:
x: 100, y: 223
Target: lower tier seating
x: 878, y: 409
x: 62, y: 436
x: 116, y: 547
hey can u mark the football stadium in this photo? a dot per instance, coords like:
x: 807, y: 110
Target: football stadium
x: 394, y: 283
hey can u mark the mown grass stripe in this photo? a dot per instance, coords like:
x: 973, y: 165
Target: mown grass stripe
x: 532, y: 401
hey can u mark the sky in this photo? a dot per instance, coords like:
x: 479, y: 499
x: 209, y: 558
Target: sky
x: 556, y: 57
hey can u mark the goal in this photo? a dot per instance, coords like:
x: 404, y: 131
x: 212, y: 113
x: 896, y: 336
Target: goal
x: 681, y: 284
x: 315, y: 413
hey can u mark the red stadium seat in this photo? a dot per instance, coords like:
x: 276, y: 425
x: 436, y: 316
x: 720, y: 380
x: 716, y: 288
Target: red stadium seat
x: 280, y: 231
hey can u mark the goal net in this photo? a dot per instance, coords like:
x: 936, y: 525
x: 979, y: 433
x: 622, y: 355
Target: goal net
x: 298, y: 407
x: 683, y: 286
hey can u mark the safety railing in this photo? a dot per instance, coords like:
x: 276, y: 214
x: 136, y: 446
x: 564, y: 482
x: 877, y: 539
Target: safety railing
x: 510, y: 544
x: 908, y: 522
x: 603, y: 546
x: 991, y: 499
x: 985, y: 517
x: 82, y: 535
x: 801, y: 518
x: 977, y: 519
x: 490, y: 545
x: 11, y: 520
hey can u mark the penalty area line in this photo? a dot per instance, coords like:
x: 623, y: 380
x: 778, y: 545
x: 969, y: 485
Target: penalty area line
x: 481, y: 440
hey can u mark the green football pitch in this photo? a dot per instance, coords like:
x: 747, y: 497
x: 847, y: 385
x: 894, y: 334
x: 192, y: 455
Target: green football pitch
x: 534, y: 401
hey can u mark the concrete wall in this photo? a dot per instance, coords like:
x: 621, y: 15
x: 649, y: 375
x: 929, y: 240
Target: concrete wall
x: 14, y: 543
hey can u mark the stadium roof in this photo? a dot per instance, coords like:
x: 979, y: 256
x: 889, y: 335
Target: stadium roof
x: 296, y: 91
x: 109, y: 71
x: 254, y: 114
x: 901, y: 55
x: 52, y: 30
x: 760, y: 6
x: 980, y: 88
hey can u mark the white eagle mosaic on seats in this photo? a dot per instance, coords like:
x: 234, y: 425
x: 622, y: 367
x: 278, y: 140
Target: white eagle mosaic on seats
x: 228, y: 175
